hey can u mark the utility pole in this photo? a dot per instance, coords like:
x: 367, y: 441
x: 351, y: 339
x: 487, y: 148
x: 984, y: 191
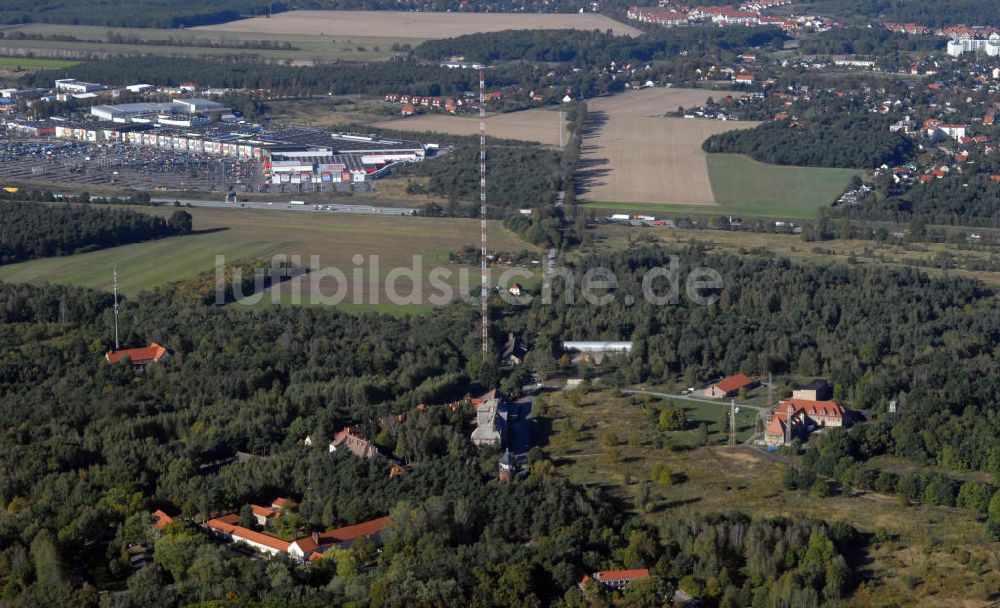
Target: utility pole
x: 484, y: 291
x: 732, y: 423
x: 770, y: 390
x: 561, y: 125
x: 114, y: 275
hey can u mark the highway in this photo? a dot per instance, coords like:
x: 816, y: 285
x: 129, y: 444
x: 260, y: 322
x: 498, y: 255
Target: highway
x: 284, y: 206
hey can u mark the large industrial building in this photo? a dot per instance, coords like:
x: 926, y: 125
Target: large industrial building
x: 288, y: 155
x: 157, y: 111
x: 72, y: 85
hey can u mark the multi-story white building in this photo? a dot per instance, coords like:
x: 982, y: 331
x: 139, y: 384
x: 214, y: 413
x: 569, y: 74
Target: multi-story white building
x: 966, y: 43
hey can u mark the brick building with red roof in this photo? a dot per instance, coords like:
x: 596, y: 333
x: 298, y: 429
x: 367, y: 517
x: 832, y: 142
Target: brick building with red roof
x: 729, y: 387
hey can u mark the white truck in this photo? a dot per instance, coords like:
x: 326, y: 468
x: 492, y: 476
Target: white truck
x: 296, y: 202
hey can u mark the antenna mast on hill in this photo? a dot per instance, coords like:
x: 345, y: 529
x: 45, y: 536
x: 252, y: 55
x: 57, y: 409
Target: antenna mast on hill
x: 484, y: 291
x: 114, y: 275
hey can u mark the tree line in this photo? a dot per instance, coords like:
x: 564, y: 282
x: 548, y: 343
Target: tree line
x: 37, y: 230
x: 595, y: 47
x: 376, y: 78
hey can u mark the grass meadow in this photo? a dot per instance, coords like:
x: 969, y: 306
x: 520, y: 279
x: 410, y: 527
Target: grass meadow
x: 927, y: 555
x: 241, y: 234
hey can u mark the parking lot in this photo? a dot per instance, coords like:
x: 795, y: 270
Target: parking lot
x: 124, y: 166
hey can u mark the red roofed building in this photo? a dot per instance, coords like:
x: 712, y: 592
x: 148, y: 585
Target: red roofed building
x: 729, y: 387
x: 140, y: 357
x: 161, y: 520
x: 228, y: 527
x: 616, y: 579
x: 304, y: 548
x: 263, y: 514
x: 775, y: 433
x: 796, y: 418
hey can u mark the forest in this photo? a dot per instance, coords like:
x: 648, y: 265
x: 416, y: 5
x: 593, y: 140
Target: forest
x: 123, y: 13
x: 876, y: 41
x: 103, y: 445
x: 842, y: 140
x: 38, y: 230
x: 925, y: 12
x: 598, y: 48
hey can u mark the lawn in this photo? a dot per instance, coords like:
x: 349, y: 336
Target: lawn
x: 32, y: 62
x: 743, y: 185
x: 239, y: 234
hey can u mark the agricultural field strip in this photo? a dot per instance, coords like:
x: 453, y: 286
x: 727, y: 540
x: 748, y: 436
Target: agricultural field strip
x: 403, y: 24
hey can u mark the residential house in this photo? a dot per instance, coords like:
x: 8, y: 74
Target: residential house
x: 729, y: 387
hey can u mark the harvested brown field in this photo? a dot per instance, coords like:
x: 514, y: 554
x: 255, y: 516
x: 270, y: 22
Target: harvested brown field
x: 401, y: 24
x: 632, y: 154
x: 653, y: 101
x: 535, y: 125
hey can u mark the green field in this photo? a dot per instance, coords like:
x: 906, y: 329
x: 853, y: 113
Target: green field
x: 93, y: 42
x: 746, y: 186
x: 32, y: 62
x: 240, y: 234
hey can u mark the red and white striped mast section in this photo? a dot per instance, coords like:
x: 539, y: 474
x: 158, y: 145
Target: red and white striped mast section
x: 484, y: 291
